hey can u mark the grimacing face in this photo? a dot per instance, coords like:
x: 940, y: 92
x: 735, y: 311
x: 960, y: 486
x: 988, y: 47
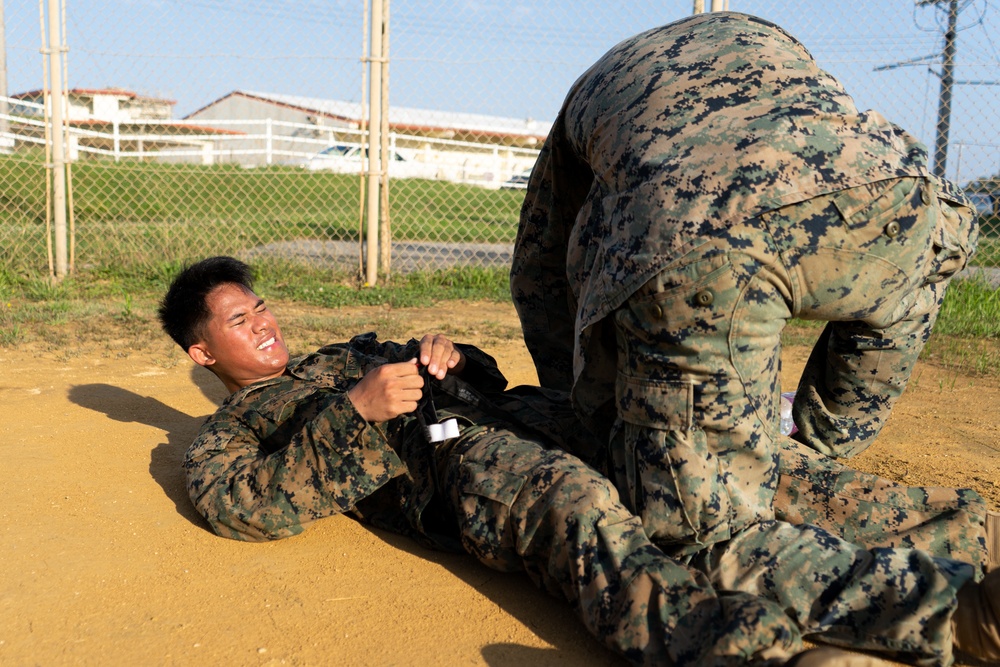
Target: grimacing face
x: 241, y: 341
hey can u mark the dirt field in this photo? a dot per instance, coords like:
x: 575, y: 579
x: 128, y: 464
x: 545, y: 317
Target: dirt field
x: 105, y: 562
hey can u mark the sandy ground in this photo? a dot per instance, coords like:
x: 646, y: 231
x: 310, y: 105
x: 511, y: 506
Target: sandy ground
x: 105, y: 563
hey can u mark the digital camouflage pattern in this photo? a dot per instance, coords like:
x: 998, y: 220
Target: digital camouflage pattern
x: 283, y: 452
x: 703, y: 183
x: 875, y: 512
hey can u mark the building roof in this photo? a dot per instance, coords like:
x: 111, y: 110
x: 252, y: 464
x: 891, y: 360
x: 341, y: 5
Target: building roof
x: 84, y: 92
x: 404, y: 119
x: 179, y: 129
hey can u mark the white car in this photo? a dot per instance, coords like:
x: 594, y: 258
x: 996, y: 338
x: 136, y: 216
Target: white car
x: 517, y: 181
x: 349, y: 159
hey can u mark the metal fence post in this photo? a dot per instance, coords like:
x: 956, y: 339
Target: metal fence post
x: 385, y: 231
x: 6, y: 145
x: 374, y: 143
x: 58, y: 149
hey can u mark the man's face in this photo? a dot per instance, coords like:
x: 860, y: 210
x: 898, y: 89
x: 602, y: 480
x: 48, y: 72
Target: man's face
x: 242, y: 343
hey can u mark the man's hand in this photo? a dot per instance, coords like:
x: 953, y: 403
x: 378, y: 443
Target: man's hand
x: 387, y: 391
x: 440, y: 356
x: 391, y: 390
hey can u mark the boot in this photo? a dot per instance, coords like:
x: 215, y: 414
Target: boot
x: 975, y: 624
x: 992, y: 540
x: 828, y: 656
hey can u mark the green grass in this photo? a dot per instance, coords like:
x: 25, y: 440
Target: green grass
x: 988, y: 252
x: 117, y: 308
x: 297, y: 283
x: 123, y: 301
x: 138, y: 223
x: 135, y: 214
x: 971, y: 309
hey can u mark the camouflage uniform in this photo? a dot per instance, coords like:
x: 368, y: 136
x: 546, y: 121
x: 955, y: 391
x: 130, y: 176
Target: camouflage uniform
x: 283, y: 452
x: 703, y: 183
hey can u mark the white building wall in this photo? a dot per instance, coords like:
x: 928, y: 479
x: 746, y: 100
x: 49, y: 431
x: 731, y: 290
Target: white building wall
x: 107, y: 107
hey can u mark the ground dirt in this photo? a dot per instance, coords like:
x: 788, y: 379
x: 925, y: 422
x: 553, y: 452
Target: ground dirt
x: 105, y: 562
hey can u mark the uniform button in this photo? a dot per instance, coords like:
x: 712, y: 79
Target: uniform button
x: 704, y: 298
x: 657, y: 311
x: 925, y: 194
x: 892, y: 229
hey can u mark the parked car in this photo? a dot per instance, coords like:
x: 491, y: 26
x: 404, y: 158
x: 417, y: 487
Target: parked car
x: 349, y: 159
x: 517, y: 181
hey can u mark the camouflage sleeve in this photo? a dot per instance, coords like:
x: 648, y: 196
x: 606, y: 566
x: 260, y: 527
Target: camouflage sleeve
x: 539, y: 282
x: 856, y: 373
x: 480, y: 368
x: 247, y: 492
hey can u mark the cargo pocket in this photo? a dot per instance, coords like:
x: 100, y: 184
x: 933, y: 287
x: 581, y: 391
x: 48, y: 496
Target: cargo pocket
x: 485, y: 499
x: 677, y: 487
x: 875, y: 204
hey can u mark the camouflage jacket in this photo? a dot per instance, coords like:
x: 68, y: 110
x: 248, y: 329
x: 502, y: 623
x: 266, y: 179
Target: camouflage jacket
x: 283, y: 452
x: 674, y: 135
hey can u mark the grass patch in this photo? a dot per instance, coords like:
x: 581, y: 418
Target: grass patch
x: 129, y: 216
x: 120, y: 305
x: 971, y: 308
x: 137, y: 213
x: 988, y: 250
x: 298, y: 283
x: 118, y: 308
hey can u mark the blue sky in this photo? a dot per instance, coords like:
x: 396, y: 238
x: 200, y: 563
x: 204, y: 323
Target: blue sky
x: 498, y: 57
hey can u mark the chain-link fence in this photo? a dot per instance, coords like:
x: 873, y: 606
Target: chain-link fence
x: 209, y: 126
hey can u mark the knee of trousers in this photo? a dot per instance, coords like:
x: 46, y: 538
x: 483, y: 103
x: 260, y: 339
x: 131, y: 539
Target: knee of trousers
x: 522, y: 506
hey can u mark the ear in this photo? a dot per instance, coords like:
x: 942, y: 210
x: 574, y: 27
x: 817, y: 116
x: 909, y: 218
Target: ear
x: 201, y: 355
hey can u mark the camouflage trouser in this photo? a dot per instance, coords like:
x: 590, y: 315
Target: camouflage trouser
x: 695, y: 450
x: 864, y: 509
x: 871, y: 511
x: 521, y: 506
x: 897, y: 602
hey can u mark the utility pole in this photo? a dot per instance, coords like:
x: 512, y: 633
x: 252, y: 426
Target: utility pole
x: 947, y: 84
x: 716, y: 6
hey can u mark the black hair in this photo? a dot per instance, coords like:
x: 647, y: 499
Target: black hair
x: 183, y: 311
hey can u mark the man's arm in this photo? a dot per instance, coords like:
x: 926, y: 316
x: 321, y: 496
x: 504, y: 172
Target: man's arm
x: 250, y: 486
x: 856, y: 373
x: 539, y: 283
